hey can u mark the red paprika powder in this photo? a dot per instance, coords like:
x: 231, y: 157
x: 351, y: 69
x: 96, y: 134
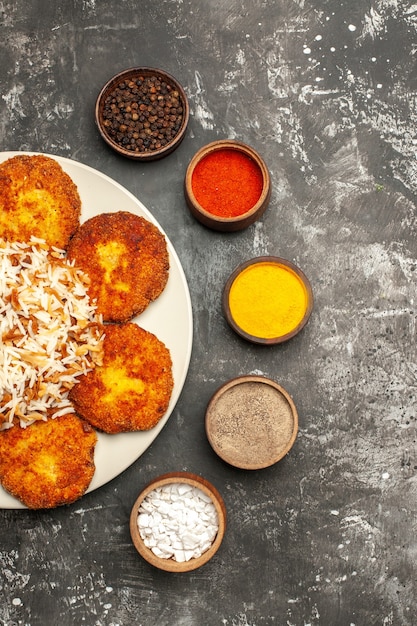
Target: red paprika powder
x: 227, y: 183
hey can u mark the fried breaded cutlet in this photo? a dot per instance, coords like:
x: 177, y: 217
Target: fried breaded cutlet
x: 126, y: 259
x: 49, y: 463
x: 131, y: 390
x: 37, y: 198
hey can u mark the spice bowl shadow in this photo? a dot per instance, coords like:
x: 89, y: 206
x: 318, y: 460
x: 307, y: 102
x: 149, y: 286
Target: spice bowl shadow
x: 227, y: 185
x: 142, y: 113
x: 251, y: 422
x: 206, y: 491
x: 267, y: 300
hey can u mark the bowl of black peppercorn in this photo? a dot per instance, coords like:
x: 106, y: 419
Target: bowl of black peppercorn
x: 142, y: 113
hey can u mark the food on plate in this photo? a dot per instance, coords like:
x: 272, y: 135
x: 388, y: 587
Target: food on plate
x: 49, y: 332
x: 37, y: 198
x: 49, y: 463
x: 71, y: 360
x: 131, y: 390
x: 126, y: 258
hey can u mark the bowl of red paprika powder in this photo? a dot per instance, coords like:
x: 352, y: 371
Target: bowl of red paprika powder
x: 227, y: 185
x: 142, y: 113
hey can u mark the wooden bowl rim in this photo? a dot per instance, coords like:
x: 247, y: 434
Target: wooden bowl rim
x: 170, y: 565
x: 227, y: 223
x: 241, y: 380
x: 148, y: 71
x: 278, y: 261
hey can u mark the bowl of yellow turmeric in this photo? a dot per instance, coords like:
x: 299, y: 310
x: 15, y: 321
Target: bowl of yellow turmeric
x: 267, y: 300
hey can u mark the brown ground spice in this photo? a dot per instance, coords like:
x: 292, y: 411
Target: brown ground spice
x: 251, y: 424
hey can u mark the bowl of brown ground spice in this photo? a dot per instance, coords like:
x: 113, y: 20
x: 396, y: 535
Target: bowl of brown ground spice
x: 251, y: 422
x: 142, y: 113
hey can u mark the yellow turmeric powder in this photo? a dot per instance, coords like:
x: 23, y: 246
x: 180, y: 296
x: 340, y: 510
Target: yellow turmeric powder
x: 268, y: 300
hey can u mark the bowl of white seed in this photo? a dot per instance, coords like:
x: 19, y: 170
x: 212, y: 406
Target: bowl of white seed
x: 178, y: 522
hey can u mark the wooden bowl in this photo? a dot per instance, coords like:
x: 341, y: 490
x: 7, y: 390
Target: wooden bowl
x: 262, y: 305
x: 118, y: 125
x: 251, y: 422
x: 169, y: 564
x: 204, y: 214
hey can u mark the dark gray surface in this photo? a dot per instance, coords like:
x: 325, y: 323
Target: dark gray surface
x: 328, y: 536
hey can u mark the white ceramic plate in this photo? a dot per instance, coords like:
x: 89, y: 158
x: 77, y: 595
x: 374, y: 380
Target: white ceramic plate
x: 169, y: 318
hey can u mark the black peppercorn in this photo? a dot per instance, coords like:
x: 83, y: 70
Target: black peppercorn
x: 142, y: 114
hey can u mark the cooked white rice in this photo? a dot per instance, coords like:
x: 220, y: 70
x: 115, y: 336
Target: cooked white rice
x: 49, y: 332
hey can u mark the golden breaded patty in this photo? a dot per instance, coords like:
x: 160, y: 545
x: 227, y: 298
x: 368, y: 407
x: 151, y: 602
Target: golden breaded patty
x: 48, y: 464
x: 131, y: 390
x: 126, y: 258
x: 37, y: 198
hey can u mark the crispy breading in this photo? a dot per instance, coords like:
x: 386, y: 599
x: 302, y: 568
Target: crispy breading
x: 37, y: 198
x: 131, y: 390
x: 126, y: 258
x: 49, y: 463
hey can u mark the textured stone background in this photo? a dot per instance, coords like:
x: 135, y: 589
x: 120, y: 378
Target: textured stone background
x: 326, y: 90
